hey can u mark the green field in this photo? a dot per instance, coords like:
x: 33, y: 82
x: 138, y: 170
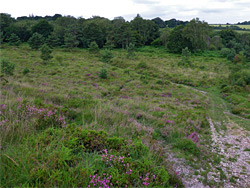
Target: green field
x: 225, y: 25
x: 77, y: 118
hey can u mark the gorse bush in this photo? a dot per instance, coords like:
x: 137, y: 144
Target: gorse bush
x: 7, y: 67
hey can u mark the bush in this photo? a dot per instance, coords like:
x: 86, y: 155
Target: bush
x: 7, y: 67
x: 185, y: 56
x: 240, y: 78
x: 46, y: 53
x: 237, y: 110
x: 224, y: 52
x: 14, y: 39
x: 93, y: 47
x: 36, y: 41
x: 239, y: 58
x: 212, y: 47
x: 131, y: 50
x: 26, y: 71
x: 103, y: 73
x: 157, y: 42
x: 107, y: 56
x: 228, y: 53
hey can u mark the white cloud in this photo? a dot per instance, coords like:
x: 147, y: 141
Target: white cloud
x: 212, y: 11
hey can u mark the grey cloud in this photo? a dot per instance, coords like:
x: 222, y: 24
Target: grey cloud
x: 210, y: 15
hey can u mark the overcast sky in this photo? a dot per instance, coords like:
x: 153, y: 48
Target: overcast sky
x: 212, y: 11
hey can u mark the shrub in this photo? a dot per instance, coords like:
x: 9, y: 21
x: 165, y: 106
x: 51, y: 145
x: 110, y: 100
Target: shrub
x: 157, y: 42
x: 103, y: 73
x: 240, y: 78
x: 247, y: 53
x: 26, y: 71
x: 239, y: 58
x: 131, y: 50
x: 237, y: 110
x: 224, y: 52
x: 212, y: 47
x: 107, y: 56
x: 14, y: 39
x: 36, y: 41
x: 7, y: 67
x: 93, y: 47
x: 228, y: 53
x: 46, y: 53
x: 185, y: 56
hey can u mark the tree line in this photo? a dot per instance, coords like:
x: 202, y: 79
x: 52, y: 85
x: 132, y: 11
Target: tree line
x: 71, y: 32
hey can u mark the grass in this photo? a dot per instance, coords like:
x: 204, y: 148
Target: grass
x: 60, y: 120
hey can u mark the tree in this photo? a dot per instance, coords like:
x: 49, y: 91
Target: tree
x: 70, y: 40
x: 96, y: 29
x: 5, y: 21
x: 36, y: 41
x: 176, y: 41
x: 62, y: 26
x: 158, y: 21
x: 1, y: 37
x: 197, y: 32
x: 53, y: 40
x: 43, y: 27
x: 148, y: 30
x: 217, y: 42
x: 122, y: 35
x: 46, y: 53
x: 173, y: 23
x: 164, y: 34
x: 227, y: 35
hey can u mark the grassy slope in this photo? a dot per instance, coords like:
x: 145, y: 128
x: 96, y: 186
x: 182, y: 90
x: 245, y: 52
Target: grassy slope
x: 138, y: 102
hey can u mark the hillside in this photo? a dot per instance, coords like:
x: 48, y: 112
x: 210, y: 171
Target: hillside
x: 148, y: 120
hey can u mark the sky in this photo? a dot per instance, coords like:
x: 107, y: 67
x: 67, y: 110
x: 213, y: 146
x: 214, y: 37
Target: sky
x: 211, y: 11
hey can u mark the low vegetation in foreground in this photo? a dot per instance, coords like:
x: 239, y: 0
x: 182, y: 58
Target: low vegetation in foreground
x: 86, y: 119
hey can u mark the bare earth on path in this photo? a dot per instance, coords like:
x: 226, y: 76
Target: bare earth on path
x: 231, y: 144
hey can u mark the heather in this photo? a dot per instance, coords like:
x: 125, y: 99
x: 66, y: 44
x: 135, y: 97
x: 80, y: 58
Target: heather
x: 89, y: 118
